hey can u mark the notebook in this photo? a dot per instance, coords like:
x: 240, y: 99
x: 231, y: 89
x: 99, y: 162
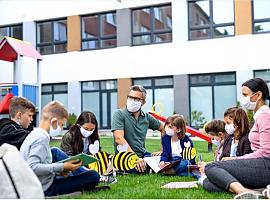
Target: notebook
x: 175, y: 185
x: 153, y: 162
x: 86, y: 159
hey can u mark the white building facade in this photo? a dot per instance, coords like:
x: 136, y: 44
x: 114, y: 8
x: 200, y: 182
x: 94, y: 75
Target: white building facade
x: 190, y: 55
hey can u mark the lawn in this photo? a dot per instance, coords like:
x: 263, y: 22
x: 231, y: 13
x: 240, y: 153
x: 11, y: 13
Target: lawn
x: 148, y: 186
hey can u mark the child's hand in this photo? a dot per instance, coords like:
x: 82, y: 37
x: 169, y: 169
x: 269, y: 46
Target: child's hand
x: 163, y: 164
x: 201, y: 166
x: 158, y: 153
x: 72, y: 165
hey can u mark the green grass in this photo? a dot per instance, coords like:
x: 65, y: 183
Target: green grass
x: 148, y: 186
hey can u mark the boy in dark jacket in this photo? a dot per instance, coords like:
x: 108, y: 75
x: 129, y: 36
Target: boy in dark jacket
x: 14, y: 130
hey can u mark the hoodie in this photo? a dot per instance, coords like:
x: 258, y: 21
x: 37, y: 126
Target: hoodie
x: 12, y: 133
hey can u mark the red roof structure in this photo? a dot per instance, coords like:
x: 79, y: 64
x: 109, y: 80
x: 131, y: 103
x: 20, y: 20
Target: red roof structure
x: 10, y: 48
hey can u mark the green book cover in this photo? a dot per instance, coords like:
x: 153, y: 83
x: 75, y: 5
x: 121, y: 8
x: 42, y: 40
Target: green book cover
x: 86, y: 159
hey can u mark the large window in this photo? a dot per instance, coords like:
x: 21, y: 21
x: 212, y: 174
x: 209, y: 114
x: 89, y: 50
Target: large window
x: 261, y: 16
x: 210, y: 96
x: 50, y: 92
x: 52, y: 36
x: 210, y: 18
x: 152, y: 25
x: 159, y: 93
x: 263, y: 74
x: 100, y: 97
x: 14, y: 31
x: 99, y: 31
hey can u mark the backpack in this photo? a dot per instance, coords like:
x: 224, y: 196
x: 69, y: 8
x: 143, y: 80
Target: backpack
x: 17, y: 180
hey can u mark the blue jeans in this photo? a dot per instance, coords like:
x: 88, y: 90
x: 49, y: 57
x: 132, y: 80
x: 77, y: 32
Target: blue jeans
x: 58, y: 154
x: 83, y: 182
x: 79, y: 180
x: 182, y: 168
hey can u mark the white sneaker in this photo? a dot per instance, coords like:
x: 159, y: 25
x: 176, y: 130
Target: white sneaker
x: 249, y: 195
x: 107, y: 179
x: 266, y: 192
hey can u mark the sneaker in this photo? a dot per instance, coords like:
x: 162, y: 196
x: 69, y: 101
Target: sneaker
x: 107, y: 179
x: 266, y: 192
x: 249, y: 195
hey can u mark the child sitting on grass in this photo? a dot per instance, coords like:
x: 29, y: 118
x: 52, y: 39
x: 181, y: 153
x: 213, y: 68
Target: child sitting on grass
x: 37, y: 153
x: 173, y: 142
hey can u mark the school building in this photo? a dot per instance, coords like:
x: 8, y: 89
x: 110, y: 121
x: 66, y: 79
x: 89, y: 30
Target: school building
x: 191, y: 55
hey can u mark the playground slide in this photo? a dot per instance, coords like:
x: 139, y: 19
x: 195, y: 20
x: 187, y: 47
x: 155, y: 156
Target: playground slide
x: 4, y: 104
x: 190, y: 130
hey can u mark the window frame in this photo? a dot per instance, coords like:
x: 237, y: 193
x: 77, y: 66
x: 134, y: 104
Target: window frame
x: 100, y: 91
x: 211, y: 25
x: 99, y: 38
x: 10, y: 26
x: 212, y: 84
x: 53, y: 92
x: 257, y: 20
x: 151, y: 33
x: 52, y: 43
x: 154, y: 86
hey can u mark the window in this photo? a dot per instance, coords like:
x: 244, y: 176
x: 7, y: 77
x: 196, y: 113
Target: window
x: 263, y: 74
x: 99, y: 31
x: 52, y: 36
x: 51, y: 92
x: 210, y: 18
x: 159, y: 93
x: 211, y: 95
x: 14, y: 31
x: 261, y: 16
x: 100, y: 97
x: 152, y: 25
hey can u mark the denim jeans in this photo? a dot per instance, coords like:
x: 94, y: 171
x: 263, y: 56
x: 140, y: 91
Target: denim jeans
x: 81, y: 182
x: 58, y: 154
x: 78, y: 180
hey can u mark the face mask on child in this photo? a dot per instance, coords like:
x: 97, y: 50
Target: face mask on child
x: 54, y: 132
x: 85, y: 133
x: 216, y: 142
x: 229, y: 129
x: 169, y: 131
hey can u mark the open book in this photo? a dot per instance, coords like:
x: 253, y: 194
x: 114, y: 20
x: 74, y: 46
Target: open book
x: 153, y: 162
x: 86, y: 159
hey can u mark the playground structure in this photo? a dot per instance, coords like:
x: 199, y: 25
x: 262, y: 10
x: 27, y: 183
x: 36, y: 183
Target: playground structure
x: 190, y: 130
x: 14, y: 50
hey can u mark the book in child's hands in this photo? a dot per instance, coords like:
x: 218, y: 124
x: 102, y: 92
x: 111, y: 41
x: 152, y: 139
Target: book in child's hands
x: 86, y: 159
x: 153, y: 162
x: 175, y: 185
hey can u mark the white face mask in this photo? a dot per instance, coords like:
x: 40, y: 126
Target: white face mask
x: 54, y: 132
x: 133, y: 106
x: 246, y: 103
x: 169, y: 131
x: 229, y: 129
x: 85, y: 133
x: 216, y: 142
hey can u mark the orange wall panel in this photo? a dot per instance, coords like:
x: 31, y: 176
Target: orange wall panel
x: 243, y: 17
x: 74, y: 33
x: 123, y: 86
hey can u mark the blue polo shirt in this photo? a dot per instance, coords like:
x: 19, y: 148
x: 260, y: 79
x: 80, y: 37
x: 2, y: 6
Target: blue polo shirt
x: 135, y: 130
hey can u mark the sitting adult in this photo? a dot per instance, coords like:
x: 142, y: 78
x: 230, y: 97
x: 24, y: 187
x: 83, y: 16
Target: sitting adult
x: 130, y: 125
x: 14, y: 130
x: 250, y: 171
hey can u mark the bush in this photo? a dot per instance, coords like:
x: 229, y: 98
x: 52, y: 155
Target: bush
x: 71, y: 119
